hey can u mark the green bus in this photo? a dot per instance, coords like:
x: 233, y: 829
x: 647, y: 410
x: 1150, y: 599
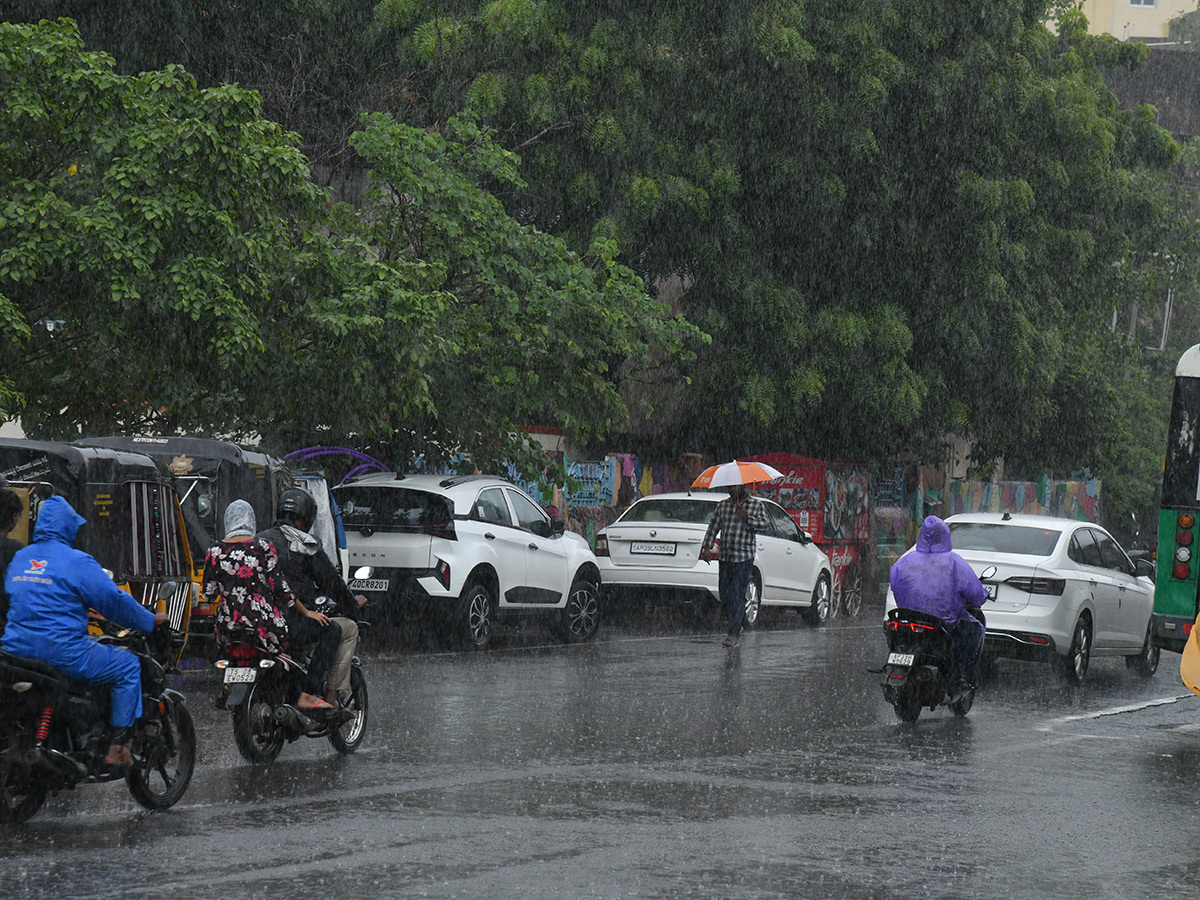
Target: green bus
x: 1178, y: 572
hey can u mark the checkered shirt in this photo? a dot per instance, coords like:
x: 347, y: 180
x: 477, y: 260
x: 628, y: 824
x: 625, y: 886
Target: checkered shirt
x: 738, y: 535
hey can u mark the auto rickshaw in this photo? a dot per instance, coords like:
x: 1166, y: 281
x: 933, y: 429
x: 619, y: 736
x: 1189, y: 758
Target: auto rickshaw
x: 209, y: 475
x: 134, y: 524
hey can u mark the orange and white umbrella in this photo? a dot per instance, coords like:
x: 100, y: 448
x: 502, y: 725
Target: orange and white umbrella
x: 736, y: 472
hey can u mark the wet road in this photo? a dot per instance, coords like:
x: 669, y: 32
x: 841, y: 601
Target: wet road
x: 656, y: 764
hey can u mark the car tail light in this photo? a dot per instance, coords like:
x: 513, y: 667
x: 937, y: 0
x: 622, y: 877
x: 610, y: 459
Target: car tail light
x: 443, y: 530
x: 1184, y: 539
x: 1181, y: 571
x: 1052, y: 586
x: 601, y: 545
x: 442, y: 570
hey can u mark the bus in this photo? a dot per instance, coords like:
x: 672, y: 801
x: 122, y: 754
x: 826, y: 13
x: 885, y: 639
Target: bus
x: 1178, y: 570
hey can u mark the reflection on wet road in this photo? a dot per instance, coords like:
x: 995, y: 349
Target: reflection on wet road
x: 655, y: 763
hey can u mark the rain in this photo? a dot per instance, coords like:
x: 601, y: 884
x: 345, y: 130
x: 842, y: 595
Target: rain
x: 922, y: 257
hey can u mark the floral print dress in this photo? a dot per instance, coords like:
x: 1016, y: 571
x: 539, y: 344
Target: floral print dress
x: 245, y: 581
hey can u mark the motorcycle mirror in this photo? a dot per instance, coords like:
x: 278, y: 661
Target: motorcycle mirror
x: 989, y: 572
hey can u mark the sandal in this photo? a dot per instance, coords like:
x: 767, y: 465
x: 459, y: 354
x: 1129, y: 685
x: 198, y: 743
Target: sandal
x: 319, y: 706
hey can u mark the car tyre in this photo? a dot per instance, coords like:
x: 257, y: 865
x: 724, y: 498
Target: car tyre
x: 1145, y: 662
x: 753, y: 600
x: 580, y: 618
x: 477, y: 616
x: 852, y: 592
x: 818, y: 613
x: 1075, y: 665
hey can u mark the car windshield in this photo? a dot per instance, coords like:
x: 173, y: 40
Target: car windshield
x: 394, y: 509
x: 1002, y: 538
x: 696, y: 512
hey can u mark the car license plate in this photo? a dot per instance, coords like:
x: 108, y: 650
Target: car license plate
x: 991, y: 591
x: 900, y: 659
x: 661, y: 549
x: 240, y: 674
x: 368, y: 584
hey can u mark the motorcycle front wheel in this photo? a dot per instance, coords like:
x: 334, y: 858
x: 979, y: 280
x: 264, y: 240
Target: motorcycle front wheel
x: 169, y: 756
x: 257, y: 735
x: 347, y: 737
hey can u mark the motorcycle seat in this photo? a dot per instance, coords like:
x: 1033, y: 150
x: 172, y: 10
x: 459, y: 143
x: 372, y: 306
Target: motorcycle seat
x: 22, y: 668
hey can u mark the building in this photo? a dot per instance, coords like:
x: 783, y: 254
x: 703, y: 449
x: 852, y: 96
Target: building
x: 1135, y: 20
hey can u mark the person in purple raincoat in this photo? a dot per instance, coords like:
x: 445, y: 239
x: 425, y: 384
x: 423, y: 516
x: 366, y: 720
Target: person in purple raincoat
x: 933, y: 579
x: 51, y: 586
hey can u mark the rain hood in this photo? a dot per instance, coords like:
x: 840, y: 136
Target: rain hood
x: 57, y: 521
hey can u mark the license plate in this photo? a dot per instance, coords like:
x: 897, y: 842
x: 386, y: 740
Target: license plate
x: 647, y: 547
x: 900, y: 659
x: 991, y: 591
x: 368, y: 584
x: 240, y: 674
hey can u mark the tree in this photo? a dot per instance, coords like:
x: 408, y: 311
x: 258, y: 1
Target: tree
x: 168, y: 264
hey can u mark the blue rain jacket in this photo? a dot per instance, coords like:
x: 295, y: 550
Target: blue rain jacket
x: 50, y: 586
x: 933, y: 578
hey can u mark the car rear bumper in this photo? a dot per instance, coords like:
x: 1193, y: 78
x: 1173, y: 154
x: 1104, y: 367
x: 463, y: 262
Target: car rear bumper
x: 1019, y: 645
x: 700, y: 579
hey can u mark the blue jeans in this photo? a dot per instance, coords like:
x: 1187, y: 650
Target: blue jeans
x: 732, y: 580
x: 968, y: 639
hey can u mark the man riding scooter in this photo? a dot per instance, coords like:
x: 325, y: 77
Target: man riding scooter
x: 935, y: 580
x: 311, y: 574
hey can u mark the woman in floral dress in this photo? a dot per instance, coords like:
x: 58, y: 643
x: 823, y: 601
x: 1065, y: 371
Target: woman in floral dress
x: 242, y: 575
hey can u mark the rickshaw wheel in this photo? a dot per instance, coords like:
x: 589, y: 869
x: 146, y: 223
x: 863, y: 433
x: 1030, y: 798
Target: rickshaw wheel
x: 259, y: 739
x: 349, y: 735
x: 170, y: 761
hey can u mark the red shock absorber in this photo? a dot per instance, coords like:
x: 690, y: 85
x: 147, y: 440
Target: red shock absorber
x: 43, y: 725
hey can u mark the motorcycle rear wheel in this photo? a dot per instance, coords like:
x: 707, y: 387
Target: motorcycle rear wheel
x: 349, y: 735
x: 258, y: 737
x: 19, y: 797
x: 170, y: 760
x: 907, y: 705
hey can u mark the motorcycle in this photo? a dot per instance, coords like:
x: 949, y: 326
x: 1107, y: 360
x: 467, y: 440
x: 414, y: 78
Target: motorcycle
x: 261, y: 689
x: 54, y: 731
x: 919, y: 662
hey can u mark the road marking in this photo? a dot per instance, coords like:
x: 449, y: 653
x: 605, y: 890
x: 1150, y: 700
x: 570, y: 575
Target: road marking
x: 1113, y: 711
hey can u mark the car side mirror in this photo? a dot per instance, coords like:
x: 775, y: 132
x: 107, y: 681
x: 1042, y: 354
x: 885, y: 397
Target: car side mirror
x: 1143, y: 568
x: 557, y: 526
x: 805, y: 538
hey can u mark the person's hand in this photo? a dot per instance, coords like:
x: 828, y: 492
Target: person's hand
x: 706, y: 554
x: 321, y: 618
x: 161, y: 619
x: 361, y: 600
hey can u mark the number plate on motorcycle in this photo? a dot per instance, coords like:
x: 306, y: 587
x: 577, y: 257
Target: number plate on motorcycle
x: 900, y: 659
x: 240, y: 674
x: 368, y: 584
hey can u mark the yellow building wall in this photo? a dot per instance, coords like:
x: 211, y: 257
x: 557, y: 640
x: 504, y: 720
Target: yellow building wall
x: 1125, y: 21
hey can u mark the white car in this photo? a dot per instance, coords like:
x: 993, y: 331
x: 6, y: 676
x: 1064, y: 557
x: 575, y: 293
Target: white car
x: 458, y: 552
x: 655, y: 547
x: 1063, y: 590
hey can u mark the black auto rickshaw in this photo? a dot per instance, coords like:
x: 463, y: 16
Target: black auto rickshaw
x: 134, y: 520
x: 209, y: 475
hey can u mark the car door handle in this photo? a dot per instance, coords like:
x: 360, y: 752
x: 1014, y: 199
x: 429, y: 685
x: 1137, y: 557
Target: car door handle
x: 533, y: 546
x: 489, y: 535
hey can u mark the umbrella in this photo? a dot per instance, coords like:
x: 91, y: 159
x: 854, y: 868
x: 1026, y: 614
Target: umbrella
x: 736, y: 472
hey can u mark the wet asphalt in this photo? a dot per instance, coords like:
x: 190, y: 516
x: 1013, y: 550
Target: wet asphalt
x: 654, y: 763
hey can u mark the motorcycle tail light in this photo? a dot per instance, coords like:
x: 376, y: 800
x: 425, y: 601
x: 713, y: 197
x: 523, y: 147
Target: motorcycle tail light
x: 242, y: 651
x: 601, y: 545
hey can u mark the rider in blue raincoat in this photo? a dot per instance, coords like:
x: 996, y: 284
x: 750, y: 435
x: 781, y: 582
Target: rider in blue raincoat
x: 934, y: 579
x: 51, y: 586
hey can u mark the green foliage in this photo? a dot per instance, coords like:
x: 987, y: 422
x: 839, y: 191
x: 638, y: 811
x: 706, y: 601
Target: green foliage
x: 530, y: 332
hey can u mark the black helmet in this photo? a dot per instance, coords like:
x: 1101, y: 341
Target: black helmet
x: 295, y: 503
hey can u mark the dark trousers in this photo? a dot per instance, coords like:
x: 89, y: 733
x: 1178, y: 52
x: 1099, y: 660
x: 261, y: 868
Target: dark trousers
x: 968, y: 639
x: 732, y: 580
x: 302, y: 631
